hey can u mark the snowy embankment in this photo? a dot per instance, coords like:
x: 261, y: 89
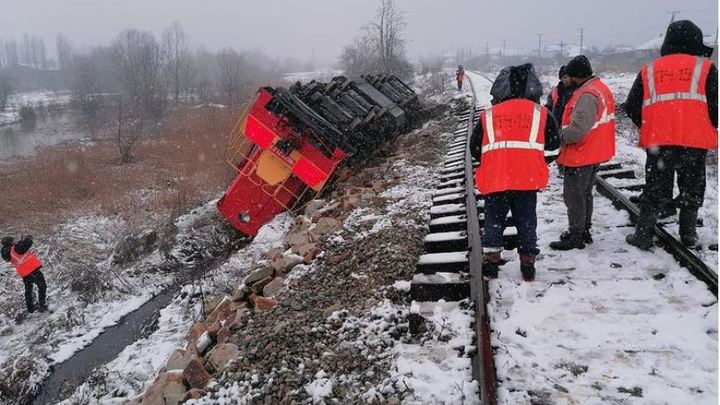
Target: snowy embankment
x: 610, y: 323
x: 35, y: 99
x: 364, y: 322
x: 88, y: 291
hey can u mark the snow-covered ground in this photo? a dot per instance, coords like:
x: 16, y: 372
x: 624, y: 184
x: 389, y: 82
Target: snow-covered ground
x: 136, y: 366
x: 610, y: 323
x: 322, y: 75
x: 34, y: 99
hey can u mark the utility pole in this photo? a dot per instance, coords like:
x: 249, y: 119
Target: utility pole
x: 504, y: 40
x: 581, y: 40
x: 562, y: 48
x: 487, y: 48
x: 539, y: 45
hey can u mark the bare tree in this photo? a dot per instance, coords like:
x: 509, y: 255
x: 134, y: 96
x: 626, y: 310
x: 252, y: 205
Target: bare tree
x: 11, y: 53
x: 360, y: 57
x: 176, y: 50
x: 386, y: 34
x: 86, y: 86
x: 6, y: 89
x: 40, y: 54
x: 380, y: 48
x: 230, y: 64
x: 139, y: 67
x: 64, y: 52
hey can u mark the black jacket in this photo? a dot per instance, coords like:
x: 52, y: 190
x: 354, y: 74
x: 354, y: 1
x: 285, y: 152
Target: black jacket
x: 20, y: 247
x: 564, y: 94
x: 682, y: 37
x: 552, y: 139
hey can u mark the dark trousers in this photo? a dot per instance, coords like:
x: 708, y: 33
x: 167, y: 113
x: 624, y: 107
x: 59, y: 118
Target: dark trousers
x: 660, y: 168
x: 577, y: 194
x: 522, y: 204
x: 37, y: 278
x: 459, y: 83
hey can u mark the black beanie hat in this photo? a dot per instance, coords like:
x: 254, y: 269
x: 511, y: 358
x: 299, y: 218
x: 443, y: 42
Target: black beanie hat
x: 562, y: 72
x: 579, y: 67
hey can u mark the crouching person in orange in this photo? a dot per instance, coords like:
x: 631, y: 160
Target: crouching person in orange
x: 27, y: 266
x: 510, y: 143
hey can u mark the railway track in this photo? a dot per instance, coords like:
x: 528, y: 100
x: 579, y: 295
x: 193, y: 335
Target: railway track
x: 451, y: 268
x: 450, y: 271
x: 612, y: 180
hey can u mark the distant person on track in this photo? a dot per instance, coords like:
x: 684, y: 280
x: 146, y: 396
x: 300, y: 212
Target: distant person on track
x: 27, y: 266
x: 588, y: 139
x: 459, y: 77
x: 674, y: 103
x: 510, y: 142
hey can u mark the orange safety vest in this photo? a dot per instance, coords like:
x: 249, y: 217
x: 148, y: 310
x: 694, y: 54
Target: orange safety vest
x: 460, y: 76
x: 599, y: 144
x: 554, y: 96
x: 675, y: 109
x: 24, y: 264
x: 513, y: 147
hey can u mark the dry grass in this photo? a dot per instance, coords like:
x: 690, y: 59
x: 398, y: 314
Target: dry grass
x: 182, y: 164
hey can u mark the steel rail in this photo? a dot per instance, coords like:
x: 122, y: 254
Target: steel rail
x: 680, y: 252
x: 483, y: 366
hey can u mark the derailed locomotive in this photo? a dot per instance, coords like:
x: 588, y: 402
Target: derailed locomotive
x: 291, y: 142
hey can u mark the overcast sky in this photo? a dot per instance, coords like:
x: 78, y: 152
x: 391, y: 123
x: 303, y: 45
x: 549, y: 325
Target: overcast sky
x: 303, y: 28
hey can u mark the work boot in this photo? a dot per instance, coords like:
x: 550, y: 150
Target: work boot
x: 643, y: 236
x: 491, y: 264
x: 688, y: 221
x: 527, y: 267
x: 586, y: 237
x: 568, y: 241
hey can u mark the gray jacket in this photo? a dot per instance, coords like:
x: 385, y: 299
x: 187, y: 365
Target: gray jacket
x: 582, y: 119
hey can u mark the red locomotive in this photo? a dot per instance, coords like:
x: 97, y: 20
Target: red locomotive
x: 290, y: 142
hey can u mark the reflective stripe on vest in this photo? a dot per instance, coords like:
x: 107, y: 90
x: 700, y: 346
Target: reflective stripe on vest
x: 532, y: 143
x: 693, y: 94
x: 675, y: 109
x: 598, y: 145
x: 604, y: 117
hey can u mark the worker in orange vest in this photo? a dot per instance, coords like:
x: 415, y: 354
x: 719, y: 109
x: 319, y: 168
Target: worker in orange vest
x: 674, y: 103
x: 460, y: 76
x: 509, y: 143
x: 27, y: 266
x: 587, y: 139
x: 560, y: 94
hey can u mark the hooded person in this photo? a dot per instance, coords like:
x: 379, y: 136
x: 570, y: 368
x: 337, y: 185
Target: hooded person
x: 27, y: 266
x: 587, y: 139
x: 674, y: 103
x: 509, y: 142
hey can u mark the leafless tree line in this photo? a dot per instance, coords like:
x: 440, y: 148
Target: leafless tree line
x: 380, y: 47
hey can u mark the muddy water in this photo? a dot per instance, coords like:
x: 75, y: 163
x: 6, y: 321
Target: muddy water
x: 18, y: 140
x: 69, y: 375
x: 202, y: 255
